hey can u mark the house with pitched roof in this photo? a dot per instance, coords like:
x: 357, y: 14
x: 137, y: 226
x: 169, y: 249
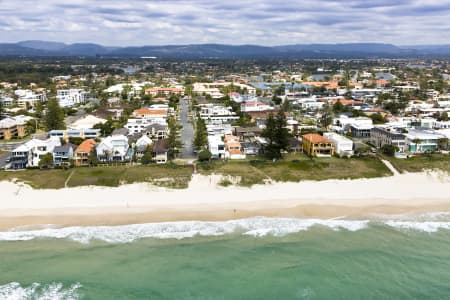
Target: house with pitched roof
x: 83, y: 151
x: 233, y: 148
x: 113, y: 148
x: 317, y: 145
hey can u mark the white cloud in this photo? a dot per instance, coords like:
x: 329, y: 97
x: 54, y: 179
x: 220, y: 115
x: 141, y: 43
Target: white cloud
x: 266, y: 22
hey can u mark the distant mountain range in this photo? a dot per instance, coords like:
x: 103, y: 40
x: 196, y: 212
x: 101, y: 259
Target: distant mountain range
x: 203, y: 51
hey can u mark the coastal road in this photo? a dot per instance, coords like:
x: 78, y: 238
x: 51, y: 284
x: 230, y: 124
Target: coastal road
x: 187, y: 131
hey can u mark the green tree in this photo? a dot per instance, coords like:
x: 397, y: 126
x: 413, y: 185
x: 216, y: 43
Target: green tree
x: 277, y: 135
x: 147, y: 158
x: 389, y: 149
x: 46, y: 160
x: 31, y: 126
x: 377, y: 118
x: 105, y: 128
x: 201, y: 134
x: 204, y: 155
x: 327, y: 116
x: 338, y: 107
x: 173, y: 141
x: 92, y: 158
x: 2, y: 109
x: 39, y: 110
x: 444, y: 116
x: 443, y: 143
x: 54, y: 116
x: 277, y: 100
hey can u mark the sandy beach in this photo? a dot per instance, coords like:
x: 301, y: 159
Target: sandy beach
x: 20, y: 205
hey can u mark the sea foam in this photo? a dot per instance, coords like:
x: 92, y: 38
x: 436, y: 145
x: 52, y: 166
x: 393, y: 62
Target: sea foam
x: 256, y: 227
x: 37, y: 291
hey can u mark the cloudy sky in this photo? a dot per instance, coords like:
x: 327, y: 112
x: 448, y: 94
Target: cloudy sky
x: 263, y: 22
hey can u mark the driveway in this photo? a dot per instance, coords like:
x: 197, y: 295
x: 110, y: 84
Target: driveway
x: 187, y: 131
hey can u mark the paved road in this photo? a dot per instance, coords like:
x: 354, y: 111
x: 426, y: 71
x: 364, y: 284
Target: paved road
x: 187, y: 131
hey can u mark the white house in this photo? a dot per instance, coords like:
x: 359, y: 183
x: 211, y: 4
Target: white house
x: 68, y: 98
x: 142, y: 144
x: 217, y: 114
x: 87, y: 122
x: 216, y: 146
x: 255, y: 105
x: 342, y: 145
x: 419, y: 141
x: 113, y: 148
x: 30, y: 153
x: 28, y: 99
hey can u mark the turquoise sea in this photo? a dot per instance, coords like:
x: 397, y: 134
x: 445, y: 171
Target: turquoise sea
x: 257, y: 258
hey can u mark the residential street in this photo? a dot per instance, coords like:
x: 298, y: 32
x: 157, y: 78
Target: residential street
x: 187, y: 131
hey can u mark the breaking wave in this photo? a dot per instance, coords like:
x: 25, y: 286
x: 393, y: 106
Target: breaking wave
x: 37, y: 291
x: 256, y: 227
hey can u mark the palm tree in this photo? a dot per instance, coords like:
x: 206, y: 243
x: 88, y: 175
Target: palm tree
x: 417, y: 142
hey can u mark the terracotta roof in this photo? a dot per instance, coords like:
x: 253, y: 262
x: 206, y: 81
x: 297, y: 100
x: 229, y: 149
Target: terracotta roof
x: 230, y: 138
x: 316, y: 138
x: 86, y: 146
x: 348, y: 102
x: 233, y: 144
x: 235, y: 151
x: 148, y: 111
x: 162, y: 89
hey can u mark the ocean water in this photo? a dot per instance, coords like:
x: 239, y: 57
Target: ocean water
x: 406, y: 257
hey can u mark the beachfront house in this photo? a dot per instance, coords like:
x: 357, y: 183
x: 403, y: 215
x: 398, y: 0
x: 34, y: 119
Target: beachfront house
x: 63, y: 155
x: 317, y: 145
x: 420, y: 141
x: 381, y: 136
x: 233, y: 148
x: 142, y: 145
x: 342, y: 145
x: 160, y: 151
x: 81, y: 155
x: 113, y: 148
x: 30, y: 154
x: 216, y: 146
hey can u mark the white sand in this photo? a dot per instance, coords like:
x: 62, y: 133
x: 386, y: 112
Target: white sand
x: 203, y: 199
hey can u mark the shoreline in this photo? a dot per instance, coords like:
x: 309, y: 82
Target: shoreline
x: 204, y: 200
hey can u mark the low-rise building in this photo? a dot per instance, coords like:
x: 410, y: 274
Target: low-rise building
x: 63, y: 155
x: 217, y: 114
x: 152, y: 115
x: 87, y: 122
x: 29, y: 154
x: 68, y: 98
x: 113, y: 148
x: 11, y: 128
x: 81, y: 155
x: 233, y: 148
x: 381, y: 136
x: 420, y: 141
x: 142, y: 145
x: 160, y: 151
x: 317, y: 145
x: 216, y: 146
x: 167, y: 91
x: 342, y: 145
x: 28, y: 99
x: 76, y: 133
